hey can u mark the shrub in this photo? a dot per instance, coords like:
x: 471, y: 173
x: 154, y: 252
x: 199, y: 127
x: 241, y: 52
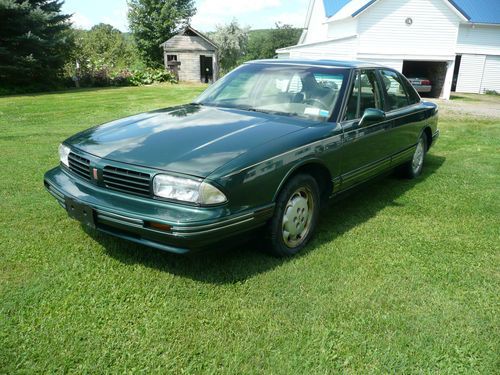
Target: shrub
x: 122, y: 78
x: 149, y: 76
x: 99, y: 77
x: 125, y: 77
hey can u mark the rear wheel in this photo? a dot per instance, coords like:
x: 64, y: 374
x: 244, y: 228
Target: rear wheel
x: 295, y: 216
x: 413, y: 168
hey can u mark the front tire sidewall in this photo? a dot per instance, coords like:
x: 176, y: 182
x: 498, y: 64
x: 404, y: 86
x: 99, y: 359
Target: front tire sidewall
x: 277, y: 244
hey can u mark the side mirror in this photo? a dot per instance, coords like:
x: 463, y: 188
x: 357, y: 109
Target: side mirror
x: 372, y: 115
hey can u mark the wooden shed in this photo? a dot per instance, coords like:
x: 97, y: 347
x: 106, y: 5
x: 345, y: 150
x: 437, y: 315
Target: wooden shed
x: 191, y: 56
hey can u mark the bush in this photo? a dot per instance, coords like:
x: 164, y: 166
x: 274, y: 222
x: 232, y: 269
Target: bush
x: 150, y: 76
x: 125, y: 77
x: 96, y: 78
x: 101, y: 77
x: 122, y: 78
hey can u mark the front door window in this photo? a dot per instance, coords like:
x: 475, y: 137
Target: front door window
x: 364, y: 94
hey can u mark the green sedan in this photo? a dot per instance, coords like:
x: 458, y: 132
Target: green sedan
x: 266, y: 146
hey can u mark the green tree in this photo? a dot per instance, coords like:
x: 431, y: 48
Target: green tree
x: 232, y: 41
x: 262, y: 44
x: 35, y: 41
x: 103, y: 46
x: 154, y: 21
x: 107, y: 43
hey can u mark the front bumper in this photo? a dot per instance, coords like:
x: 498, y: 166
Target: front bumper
x: 130, y: 217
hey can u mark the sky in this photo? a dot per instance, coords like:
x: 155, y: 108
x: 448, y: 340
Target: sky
x: 257, y: 14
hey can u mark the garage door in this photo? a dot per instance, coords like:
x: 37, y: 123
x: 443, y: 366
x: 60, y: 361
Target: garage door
x: 471, y: 73
x: 491, y: 77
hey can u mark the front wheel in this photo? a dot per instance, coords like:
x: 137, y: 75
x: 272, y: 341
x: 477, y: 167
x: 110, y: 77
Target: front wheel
x: 413, y: 168
x: 295, y: 216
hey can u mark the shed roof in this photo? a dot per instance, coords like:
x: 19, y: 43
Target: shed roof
x: 475, y: 11
x: 184, y: 40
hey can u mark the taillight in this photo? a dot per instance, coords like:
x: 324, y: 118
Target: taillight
x: 425, y: 82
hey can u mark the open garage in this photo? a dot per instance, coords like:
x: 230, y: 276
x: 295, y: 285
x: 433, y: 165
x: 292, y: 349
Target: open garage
x: 434, y: 71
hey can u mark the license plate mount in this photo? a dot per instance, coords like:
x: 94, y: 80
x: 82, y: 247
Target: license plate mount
x: 80, y: 212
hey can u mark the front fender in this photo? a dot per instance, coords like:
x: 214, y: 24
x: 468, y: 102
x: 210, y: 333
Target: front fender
x: 259, y: 183
x: 312, y: 165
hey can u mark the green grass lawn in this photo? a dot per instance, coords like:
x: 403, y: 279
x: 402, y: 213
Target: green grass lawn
x: 403, y: 276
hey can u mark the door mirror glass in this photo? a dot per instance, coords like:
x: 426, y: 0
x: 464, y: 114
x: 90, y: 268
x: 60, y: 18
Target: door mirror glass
x: 372, y: 115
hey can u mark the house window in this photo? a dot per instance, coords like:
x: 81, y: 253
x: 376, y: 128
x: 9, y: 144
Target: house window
x: 171, y: 57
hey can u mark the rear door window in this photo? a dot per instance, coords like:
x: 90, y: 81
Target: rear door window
x: 413, y: 96
x: 394, y: 90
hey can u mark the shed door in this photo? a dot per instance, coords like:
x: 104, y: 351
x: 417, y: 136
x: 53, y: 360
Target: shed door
x: 206, y: 69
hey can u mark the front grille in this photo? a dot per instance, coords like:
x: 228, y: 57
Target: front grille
x: 79, y: 165
x: 125, y: 180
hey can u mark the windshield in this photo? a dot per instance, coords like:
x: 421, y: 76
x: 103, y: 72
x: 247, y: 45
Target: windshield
x: 302, y: 91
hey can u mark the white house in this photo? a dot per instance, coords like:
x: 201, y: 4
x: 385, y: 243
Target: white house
x: 454, y: 43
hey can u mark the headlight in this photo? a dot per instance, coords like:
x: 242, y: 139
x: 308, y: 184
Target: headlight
x: 186, y: 190
x: 63, y: 154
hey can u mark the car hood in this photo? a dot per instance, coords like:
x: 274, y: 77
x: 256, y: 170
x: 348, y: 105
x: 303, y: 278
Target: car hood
x: 190, y: 139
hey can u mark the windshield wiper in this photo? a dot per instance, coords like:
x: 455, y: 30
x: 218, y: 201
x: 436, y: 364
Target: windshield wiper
x: 251, y: 109
x: 266, y: 111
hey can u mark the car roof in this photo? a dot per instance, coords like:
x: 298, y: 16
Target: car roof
x: 319, y: 63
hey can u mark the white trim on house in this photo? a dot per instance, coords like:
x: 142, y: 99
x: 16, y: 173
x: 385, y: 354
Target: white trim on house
x: 310, y: 7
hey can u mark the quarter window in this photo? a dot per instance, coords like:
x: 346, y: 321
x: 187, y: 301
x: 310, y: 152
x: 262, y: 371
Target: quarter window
x: 413, y: 96
x: 365, y: 94
x: 394, y: 89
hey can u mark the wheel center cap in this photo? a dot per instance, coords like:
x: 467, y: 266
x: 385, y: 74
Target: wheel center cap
x: 296, y: 216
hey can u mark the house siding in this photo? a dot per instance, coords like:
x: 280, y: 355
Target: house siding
x: 343, y: 28
x: 382, y: 28
x: 479, y: 39
x: 343, y: 49
x: 395, y: 64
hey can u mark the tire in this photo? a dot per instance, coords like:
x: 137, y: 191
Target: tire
x: 295, y: 217
x: 413, y: 168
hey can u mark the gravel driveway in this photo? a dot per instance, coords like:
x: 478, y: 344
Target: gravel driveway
x: 471, y: 104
